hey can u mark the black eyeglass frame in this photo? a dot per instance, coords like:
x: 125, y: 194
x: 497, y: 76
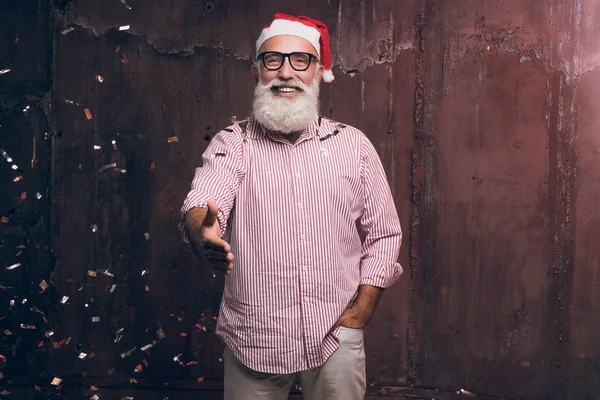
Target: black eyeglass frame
x: 288, y: 56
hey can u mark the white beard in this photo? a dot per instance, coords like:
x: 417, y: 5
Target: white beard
x: 286, y: 115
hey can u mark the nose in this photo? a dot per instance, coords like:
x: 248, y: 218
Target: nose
x: 286, y: 71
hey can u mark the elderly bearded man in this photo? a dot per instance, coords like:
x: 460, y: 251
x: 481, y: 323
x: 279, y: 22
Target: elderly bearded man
x: 303, y: 204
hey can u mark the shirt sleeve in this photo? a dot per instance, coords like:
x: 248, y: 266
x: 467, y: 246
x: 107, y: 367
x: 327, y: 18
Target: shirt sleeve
x: 219, y: 177
x: 379, y: 225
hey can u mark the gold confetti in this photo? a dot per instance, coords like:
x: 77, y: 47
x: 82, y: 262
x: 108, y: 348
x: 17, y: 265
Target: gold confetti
x: 44, y: 285
x: 161, y: 334
x: 56, y: 381
x: 173, y: 139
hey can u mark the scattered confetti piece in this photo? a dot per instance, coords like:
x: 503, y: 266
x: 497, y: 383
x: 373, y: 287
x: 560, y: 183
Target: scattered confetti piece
x: 173, y: 139
x: 128, y: 353
x: 27, y: 326
x: 44, y: 285
x: 64, y: 300
x: 107, y: 166
x: 97, y: 147
x: 88, y: 113
x: 161, y: 334
x: 124, y: 27
x: 94, y: 228
x: 38, y: 195
x: 56, y: 381
x: 14, y: 266
x: 92, y: 272
x: 463, y: 391
x: 26, y: 109
x: 127, y: 6
x: 148, y: 346
x: 147, y: 236
x: 6, y: 156
x: 83, y: 356
x: 96, y: 319
x: 68, y: 30
x: 177, y: 359
x: 5, y: 71
x: 99, y: 78
x: 114, y: 143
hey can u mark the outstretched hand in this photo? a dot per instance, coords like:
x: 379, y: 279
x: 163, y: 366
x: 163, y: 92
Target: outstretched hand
x: 205, y: 238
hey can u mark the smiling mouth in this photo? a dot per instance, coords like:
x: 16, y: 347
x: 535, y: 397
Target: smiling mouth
x: 285, y: 89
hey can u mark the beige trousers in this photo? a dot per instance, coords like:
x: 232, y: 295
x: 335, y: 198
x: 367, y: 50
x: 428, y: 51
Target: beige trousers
x: 342, y: 377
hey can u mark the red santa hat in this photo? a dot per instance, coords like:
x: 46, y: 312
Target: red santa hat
x: 310, y: 29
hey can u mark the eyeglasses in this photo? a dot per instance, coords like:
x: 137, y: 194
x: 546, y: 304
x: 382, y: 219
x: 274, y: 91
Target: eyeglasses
x: 273, y: 60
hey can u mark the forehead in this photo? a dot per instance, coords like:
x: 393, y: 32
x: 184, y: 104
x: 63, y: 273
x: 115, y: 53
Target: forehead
x: 288, y: 44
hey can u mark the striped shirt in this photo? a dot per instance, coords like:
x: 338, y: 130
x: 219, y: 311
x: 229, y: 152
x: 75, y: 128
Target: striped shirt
x: 307, y: 223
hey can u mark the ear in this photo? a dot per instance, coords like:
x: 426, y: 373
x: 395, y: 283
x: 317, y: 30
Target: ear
x: 320, y: 72
x: 255, y: 72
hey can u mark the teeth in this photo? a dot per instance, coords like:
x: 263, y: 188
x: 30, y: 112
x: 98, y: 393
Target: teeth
x: 286, y: 89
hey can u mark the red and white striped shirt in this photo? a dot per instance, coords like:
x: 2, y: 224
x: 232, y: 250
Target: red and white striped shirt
x: 307, y: 223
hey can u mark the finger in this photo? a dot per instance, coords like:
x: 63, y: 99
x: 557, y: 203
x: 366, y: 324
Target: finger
x: 216, y: 255
x: 220, y: 266
x: 219, y: 245
x: 212, y: 210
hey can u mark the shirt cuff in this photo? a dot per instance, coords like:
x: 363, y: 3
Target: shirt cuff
x: 382, y: 274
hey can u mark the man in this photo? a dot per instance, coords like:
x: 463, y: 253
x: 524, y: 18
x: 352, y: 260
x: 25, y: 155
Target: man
x: 297, y: 212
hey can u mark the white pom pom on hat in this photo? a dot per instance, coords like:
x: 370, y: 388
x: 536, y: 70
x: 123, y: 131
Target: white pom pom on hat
x: 310, y: 29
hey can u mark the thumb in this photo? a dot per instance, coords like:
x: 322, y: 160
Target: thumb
x: 212, y: 210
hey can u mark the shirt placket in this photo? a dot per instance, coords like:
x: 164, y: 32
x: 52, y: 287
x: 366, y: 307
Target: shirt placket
x: 306, y: 285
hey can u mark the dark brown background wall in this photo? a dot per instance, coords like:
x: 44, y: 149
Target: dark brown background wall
x: 485, y: 114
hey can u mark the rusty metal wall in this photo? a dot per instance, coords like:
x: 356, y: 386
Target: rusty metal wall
x: 484, y: 114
